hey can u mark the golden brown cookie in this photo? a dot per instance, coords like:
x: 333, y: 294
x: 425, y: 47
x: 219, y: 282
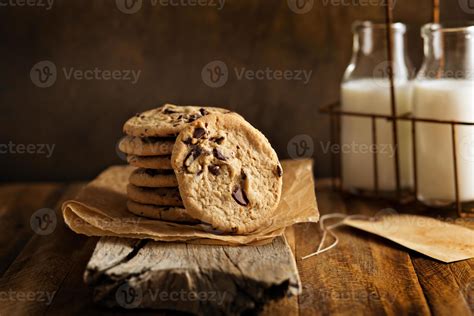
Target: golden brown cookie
x: 228, y: 173
x: 146, y: 146
x: 152, y: 178
x: 167, y: 120
x: 164, y: 213
x: 154, y: 196
x: 150, y: 162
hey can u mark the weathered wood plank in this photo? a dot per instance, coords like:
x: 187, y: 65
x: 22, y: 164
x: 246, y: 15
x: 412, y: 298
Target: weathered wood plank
x: 200, y: 279
x: 363, y: 275
x: 17, y: 204
x: 38, y: 271
x: 287, y: 306
x: 449, y: 288
x: 446, y: 295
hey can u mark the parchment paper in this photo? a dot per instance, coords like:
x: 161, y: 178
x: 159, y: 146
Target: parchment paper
x: 440, y: 240
x: 100, y: 210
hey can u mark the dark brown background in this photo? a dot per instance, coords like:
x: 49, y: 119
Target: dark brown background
x: 170, y: 45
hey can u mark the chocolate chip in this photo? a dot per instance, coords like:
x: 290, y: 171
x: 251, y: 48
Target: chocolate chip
x: 138, y: 114
x: 192, y: 155
x: 218, y: 154
x: 218, y: 140
x: 203, y: 112
x: 215, y: 170
x: 188, y: 141
x: 279, y: 172
x: 239, y: 196
x: 192, y: 118
x: 168, y: 111
x: 142, y: 117
x: 199, y: 132
x: 197, y: 152
x: 243, y: 176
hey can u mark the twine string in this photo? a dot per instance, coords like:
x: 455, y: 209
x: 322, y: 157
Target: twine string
x: 328, y: 230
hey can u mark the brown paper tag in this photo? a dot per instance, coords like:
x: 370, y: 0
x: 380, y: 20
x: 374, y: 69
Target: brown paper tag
x: 100, y: 210
x: 436, y: 239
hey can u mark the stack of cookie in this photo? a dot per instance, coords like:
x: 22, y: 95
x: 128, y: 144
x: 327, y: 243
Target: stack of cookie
x: 153, y: 187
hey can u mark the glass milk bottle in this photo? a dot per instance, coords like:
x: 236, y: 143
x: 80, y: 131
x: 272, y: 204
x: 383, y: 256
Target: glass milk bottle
x: 444, y: 90
x: 366, y: 88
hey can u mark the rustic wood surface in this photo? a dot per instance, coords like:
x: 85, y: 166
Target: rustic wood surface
x: 199, y: 279
x: 364, y: 275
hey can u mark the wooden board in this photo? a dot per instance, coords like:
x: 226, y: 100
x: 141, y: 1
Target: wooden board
x: 199, y: 279
x: 364, y: 275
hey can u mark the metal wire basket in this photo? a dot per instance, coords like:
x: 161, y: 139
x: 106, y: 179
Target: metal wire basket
x: 336, y: 113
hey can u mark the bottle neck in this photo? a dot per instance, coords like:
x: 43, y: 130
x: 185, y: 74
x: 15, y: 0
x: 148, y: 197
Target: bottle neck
x: 449, y: 53
x: 370, y: 53
x: 372, y: 43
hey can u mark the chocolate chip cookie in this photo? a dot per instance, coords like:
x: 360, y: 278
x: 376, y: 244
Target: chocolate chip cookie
x: 164, y: 213
x: 167, y: 120
x: 228, y: 174
x: 150, y: 162
x: 154, y: 196
x: 152, y: 178
x: 147, y: 146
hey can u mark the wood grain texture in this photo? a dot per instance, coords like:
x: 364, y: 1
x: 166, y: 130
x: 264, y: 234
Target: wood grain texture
x: 18, y: 202
x: 39, y: 269
x: 201, y: 279
x: 363, y: 275
x: 170, y: 46
x: 449, y: 289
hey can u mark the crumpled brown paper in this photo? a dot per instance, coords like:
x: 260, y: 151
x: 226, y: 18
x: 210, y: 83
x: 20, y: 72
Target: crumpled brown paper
x: 436, y: 239
x: 100, y: 210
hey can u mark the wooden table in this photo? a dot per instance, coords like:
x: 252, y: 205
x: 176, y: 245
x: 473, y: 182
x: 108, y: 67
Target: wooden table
x: 364, y: 275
